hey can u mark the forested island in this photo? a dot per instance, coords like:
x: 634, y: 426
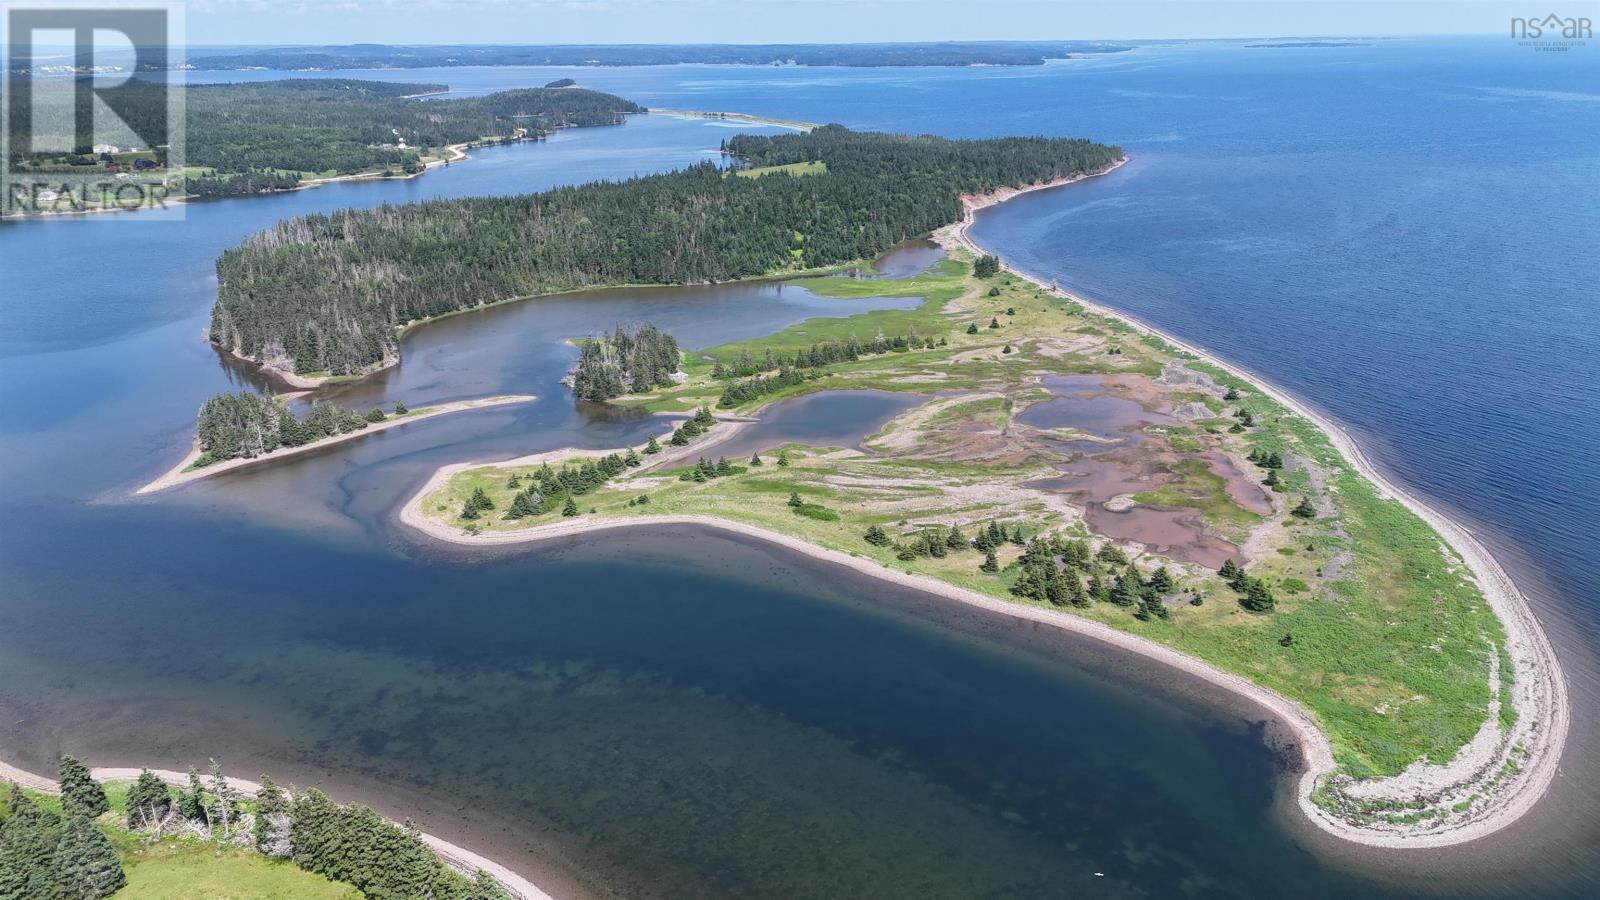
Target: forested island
x: 327, y: 293
x: 384, y: 56
x: 273, y: 135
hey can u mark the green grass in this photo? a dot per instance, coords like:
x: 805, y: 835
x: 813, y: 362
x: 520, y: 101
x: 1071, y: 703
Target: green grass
x: 815, y: 167
x: 194, y: 870
x: 1393, y: 657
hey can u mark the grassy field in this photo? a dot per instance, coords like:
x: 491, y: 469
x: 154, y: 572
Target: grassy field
x: 1378, y: 629
x: 814, y: 167
x: 193, y: 869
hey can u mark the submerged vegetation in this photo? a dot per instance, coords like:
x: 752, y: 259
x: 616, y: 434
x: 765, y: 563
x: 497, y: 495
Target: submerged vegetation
x: 328, y: 292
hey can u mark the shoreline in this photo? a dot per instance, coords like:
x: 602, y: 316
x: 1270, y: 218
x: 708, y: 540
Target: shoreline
x: 181, y: 474
x: 1521, y: 761
x: 454, y: 856
x: 1539, y: 692
x: 745, y: 118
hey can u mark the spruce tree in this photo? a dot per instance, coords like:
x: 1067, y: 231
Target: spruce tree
x: 148, y: 800
x: 954, y: 539
x: 991, y: 563
x: 783, y: 458
x: 1271, y: 480
x: 1161, y: 582
x: 1258, y: 597
x: 755, y: 460
x: 400, y: 409
x: 571, y: 508
x: 272, y: 821
x: 972, y: 328
x: 28, y: 840
x: 795, y: 501
x: 1305, y: 510
x: 80, y: 794
x: 1230, y: 569
x: 994, y: 323
x: 191, y: 800
x: 877, y: 537
x: 1232, y: 394
x: 85, y: 862
x: 652, y: 448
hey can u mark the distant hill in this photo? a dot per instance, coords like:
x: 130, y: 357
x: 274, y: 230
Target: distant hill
x: 384, y: 56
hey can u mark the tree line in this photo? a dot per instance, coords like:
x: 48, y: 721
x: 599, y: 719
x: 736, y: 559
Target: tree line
x: 247, y: 425
x: 328, y: 291
x: 260, y: 136
x: 45, y: 856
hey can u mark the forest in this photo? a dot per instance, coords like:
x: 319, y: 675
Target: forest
x: 231, y: 426
x: 630, y: 360
x: 329, y: 291
x: 264, y: 135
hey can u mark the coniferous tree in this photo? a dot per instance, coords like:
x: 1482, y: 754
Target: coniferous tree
x: 1230, y: 570
x: 1305, y: 510
x: 632, y: 460
x: 954, y: 539
x: 755, y: 460
x: 191, y: 800
x: 994, y: 323
x: 877, y: 537
x: 972, y: 328
x: 986, y: 266
x: 85, y: 863
x: 1125, y: 590
x: 1271, y: 480
x: 400, y: 409
x: 1232, y: 394
x: 795, y: 501
x: 148, y: 800
x: 28, y: 841
x: 783, y: 458
x: 272, y: 828
x: 652, y: 448
x: 571, y: 508
x: 1257, y: 596
x: 991, y: 563
x: 1161, y: 582
x: 81, y: 795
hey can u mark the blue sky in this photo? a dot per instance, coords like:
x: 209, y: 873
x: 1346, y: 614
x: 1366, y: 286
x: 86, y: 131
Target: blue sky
x: 815, y: 21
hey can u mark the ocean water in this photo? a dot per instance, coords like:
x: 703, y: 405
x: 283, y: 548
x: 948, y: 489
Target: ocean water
x: 1402, y: 234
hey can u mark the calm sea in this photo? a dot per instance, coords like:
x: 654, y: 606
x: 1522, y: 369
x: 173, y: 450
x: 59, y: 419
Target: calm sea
x: 1402, y: 233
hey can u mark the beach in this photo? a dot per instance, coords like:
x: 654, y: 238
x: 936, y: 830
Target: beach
x: 1511, y: 770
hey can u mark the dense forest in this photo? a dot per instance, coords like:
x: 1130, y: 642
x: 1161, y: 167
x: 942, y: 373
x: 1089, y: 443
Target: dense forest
x: 936, y: 53
x: 630, y: 360
x: 262, y: 135
x: 246, y: 425
x: 327, y: 291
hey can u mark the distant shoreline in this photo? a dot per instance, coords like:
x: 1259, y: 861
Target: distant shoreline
x: 182, y: 474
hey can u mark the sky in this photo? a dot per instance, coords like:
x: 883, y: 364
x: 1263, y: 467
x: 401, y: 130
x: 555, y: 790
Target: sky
x: 835, y: 21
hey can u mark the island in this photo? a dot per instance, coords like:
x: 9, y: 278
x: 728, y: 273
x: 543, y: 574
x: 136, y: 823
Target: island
x: 259, y: 137
x: 1054, y: 461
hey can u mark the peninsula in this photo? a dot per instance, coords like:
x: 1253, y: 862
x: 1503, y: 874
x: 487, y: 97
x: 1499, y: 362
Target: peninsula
x: 1082, y: 470
x: 1060, y: 461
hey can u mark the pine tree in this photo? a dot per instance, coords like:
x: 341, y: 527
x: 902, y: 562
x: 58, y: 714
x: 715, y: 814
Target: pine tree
x: 148, y: 800
x: 28, y: 840
x: 85, y: 862
x: 1258, y: 597
x: 723, y: 466
x: 1230, y: 570
x: 1016, y: 536
x: 400, y: 409
x: 954, y: 539
x: 877, y: 537
x: 1271, y: 480
x: 224, y: 807
x: 991, y: 563
x: 81, y: 795
x: 191, y: 800
x: 272, y: 821
x: 972, y: 328
x: 571, y: 507
x: 783, y: 458
x: 755, y: 460
x: 522, y: 506
x: 632, y: 460
x: 994, y: 323
x: 1161, y: 582
x: 652, y: 448
x: 1305, y: 510
x: 1125, y: 591
x: 480, y: 500
x: 795, y: 501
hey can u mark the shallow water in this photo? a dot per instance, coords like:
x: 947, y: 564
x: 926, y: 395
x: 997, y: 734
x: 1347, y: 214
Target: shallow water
x: 681, y: 709
x: 828, y: 419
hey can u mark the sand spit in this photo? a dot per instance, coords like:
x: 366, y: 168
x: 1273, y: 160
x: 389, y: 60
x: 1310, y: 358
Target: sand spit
x: 1504, y: 773
x: 181, y: 473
